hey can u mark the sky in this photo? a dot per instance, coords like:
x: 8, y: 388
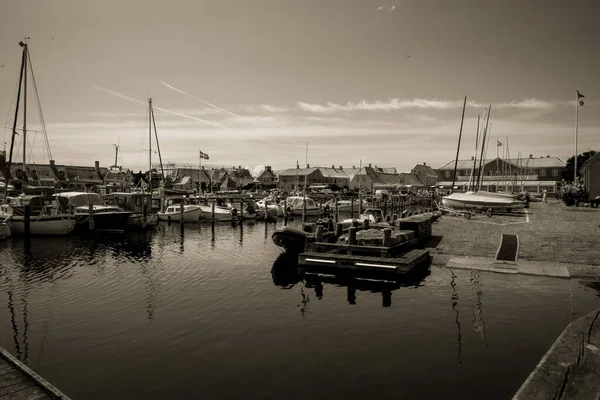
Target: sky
x: 251, y: 82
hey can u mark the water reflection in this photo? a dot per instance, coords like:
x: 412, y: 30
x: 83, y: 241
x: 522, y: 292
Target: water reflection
x: 477, y: 323
x: 454, y: 300
x: 285, y: 274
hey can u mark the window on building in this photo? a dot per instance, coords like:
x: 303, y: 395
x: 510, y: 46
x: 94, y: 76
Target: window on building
x: 542, y: 172
x: 555, y: 172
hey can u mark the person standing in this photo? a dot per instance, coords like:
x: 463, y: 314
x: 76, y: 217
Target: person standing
x: 544, y: 199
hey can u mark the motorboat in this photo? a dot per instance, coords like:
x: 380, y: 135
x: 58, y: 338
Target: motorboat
x: 250, y: 210
x: 503, y: 195
x: 92, y: 213
x: 270, y: 204
x: 290, y: 239
x: 140, y: 204
x: 370, y: 214
x: 191, y: 213
x: 220, y: 213
x: 475, y: 200
x: 47, y: 217
x: 294, y: 205
x: 344, y: 205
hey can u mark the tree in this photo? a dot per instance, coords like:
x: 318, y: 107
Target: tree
x: 567, y: 174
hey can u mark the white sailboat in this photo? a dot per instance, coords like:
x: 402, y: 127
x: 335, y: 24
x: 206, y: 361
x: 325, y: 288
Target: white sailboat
x: 47, y: 217
x: 479, y: 200
x: 220, y: 214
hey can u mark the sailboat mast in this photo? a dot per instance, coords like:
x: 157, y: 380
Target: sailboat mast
x: 150, y: 145
x: 24, y: 109
x: 14, y: 128
x: 472, y: 177
x: 462, y: 120
x: 162, y: 170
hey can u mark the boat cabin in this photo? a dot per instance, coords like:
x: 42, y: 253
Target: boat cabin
x: 137, y: 202
x: 296, y: 203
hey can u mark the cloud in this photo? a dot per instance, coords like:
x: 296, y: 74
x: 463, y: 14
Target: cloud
x: 528, y: 104
x: 389, y: 105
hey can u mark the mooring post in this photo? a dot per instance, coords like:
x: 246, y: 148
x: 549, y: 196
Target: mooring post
x: 365, y: 224
x: 352, y: 235
x: 241, y: 209
x: 181, y: 208
x: 337, y: 211
x: 91, y: 217
x: 339, y: 228
x: 351, y: 207
x: 359, y: 204
x: 266, y: 208
x: 354, y: 223
x: 168, y: 220
x: 214, y: 206
x: 27, y: 220
x: 319, y: 233
x: 387, y: 237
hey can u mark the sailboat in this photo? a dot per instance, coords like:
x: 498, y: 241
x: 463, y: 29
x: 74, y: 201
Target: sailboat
x: 47, y: 216
x: 478, y: 199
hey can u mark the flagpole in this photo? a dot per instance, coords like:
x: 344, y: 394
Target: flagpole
x: 576, y: 134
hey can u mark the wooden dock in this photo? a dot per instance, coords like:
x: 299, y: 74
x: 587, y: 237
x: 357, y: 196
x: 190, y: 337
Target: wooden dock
x: 18, y: 382
x: 400, y: 265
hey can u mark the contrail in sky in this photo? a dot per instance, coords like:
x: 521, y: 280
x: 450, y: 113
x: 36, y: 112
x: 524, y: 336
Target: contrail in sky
x: 217, y: 107
x: 122, y: 96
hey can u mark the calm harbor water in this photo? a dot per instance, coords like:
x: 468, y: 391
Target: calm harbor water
x: 160, y: 316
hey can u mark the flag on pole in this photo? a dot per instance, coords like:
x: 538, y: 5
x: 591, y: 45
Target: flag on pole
x: 498, y: 143
x: 580, y: 102
x: 204, y: 156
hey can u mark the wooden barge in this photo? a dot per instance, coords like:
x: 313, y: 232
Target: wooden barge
x: 361, y: 246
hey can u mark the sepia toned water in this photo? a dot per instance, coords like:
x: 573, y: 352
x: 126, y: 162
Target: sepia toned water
x: 160, y: 316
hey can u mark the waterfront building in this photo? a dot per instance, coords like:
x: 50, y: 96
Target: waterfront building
x: 590, y: 171
x: 426, y: 174
x: 533, y: 174
x: 267, y: 177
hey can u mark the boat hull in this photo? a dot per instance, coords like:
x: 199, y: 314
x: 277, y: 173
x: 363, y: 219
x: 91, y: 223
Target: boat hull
x: 190, y: 215
x: 113, y: 221
x: 56, y: 225
x: 137, y: 221
x: 220, y: 214
x: 466, y: 201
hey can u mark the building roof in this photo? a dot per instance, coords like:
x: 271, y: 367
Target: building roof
x: 266, y: 173
x: 297, y: 171
x: 592, y: 160
x: 333, y: 173
x: 540, y: 162
x: 426, y: 169
x: 410, y: 179
x: 240, y: 173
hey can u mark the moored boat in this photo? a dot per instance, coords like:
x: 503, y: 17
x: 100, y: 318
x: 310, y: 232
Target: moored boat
x: 474, y: 200
x: 220, y: 213
x: 92, y: 213
x: 4, y: 230
x: 140, y: 204
x: 290, y: 239
x: 46, y: 216
x: 294, y: 205
x: 191, y: 213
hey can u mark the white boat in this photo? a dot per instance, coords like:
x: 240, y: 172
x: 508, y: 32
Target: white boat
x: 221, y: 213
x: 272, y: 207
x: 344, y: 205
x: 503, y: 195
x: 46, y: 216
x: 475, y: 200
x: 191, y: 213
x: 250, y: 210
x: 370, y: 214
x: 294, y: 205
